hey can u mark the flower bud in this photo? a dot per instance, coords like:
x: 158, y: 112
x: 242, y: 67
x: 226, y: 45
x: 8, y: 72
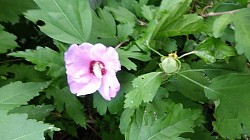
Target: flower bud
x: 170, y: 64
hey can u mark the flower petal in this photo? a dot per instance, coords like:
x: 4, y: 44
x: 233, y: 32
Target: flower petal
x: 80, y: 88
x: 110, y: 85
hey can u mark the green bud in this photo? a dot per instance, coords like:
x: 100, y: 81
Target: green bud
x: 170, y: 64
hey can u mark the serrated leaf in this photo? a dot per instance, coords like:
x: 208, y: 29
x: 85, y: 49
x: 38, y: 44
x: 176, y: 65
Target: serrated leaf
x: 231, y: 95
x: 241, y: 20
x: 7, y: 40
x: 64, y: 21
x: 43, y: 58
x: 145, y: 88
x: 220, y: 24
x: 187, y: 24
x: 64, y: 99
x: 190, y: 83
x: 10, y: 10
x: 123, y: 15
x: 103, y: 19
x: 212, y: 49
x: 18, y: 93
x: 124, y: 56
x: 147, y: 126
x: 18, y: 127
x: 39, y: 112
x: 124, y: 30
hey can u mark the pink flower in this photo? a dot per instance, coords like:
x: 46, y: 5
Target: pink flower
x: 92, y: 67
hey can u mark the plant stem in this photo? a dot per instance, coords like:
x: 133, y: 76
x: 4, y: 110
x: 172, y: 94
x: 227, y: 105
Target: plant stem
x: 186, y: 54
x: 219, y: 13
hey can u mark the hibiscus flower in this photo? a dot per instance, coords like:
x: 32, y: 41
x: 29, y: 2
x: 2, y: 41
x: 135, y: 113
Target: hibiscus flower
x: 92, y: 67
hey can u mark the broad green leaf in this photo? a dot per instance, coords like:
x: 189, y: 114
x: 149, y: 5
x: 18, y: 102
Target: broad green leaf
x: 145, y: 88
x: 220, y: 24
x: 241, y: 21
x: 18, y: 93
x: 64, y: 99
x: 68, y: 22
x: 190, y: 83
x: 147, y: 12
x: 7, y: 40
x: 43, y: 58
x: 10, y: 10
x: 103, y: 19
x: 231, y: 96
x: 123, y: 15
x: 187, y: 24
x: 147, y: 126
x: 212, y: 49
x: 39, y: 112
x: 18, y: 127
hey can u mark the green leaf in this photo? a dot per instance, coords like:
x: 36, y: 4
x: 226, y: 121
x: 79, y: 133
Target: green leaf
x: 147, y: 12
x: 39, y: 112
x: 212, y: 49
x: 68, y: 22
x: 145, y: 88
x: 126, y: 119
x: 63, y: 98
x: 106, y: 20
x: 190, y: 83
x: 123, y: 15
x: 124, y: 56
x: 220, y: 24
x: 187, y: 24
x: 241, y: 20
x: 43, y: 58
x: 124, y: 30
x: 10, y: 10
x: 102, y: 105
x: 231, y: 96
x: 7, y: 40
x: 147, y: 126
x: 17, y: 127
x: 18, y: 93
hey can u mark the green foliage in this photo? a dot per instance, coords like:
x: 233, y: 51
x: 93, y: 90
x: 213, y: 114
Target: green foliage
x: 231, y: 95
x: 241, y: 21
x: 7, y: 41
x: 64, y: 99
x: 18, y: 93
x: 142, y: 89
x: 66, y: 22
x: 24, y: 128
x: 11, y: 9
x: 204, y: 97
x: 39, y: 112
x: 43, y: 58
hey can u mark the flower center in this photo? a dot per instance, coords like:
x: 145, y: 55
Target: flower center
x: 97, y: 68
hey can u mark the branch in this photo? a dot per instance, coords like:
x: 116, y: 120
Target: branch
x: 219, y: 13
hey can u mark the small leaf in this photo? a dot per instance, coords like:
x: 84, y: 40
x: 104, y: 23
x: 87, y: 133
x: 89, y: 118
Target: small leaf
x: 147, y: 12
x: 241, y: 20
x: 124, y: 30
x: 39, y: 112
x: 7, y: 41
x: 63, y: 98
x: 17, y: 127
x: 64, y: 21
x: 43, y: 58
x: 11, y: 9
x: 18, y: 93
x: 145, y: 88
x: 231, y: 96
x: 126, y: 119
x: 220, y: 24
x: 123, y: 15
x: 212, y: 49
